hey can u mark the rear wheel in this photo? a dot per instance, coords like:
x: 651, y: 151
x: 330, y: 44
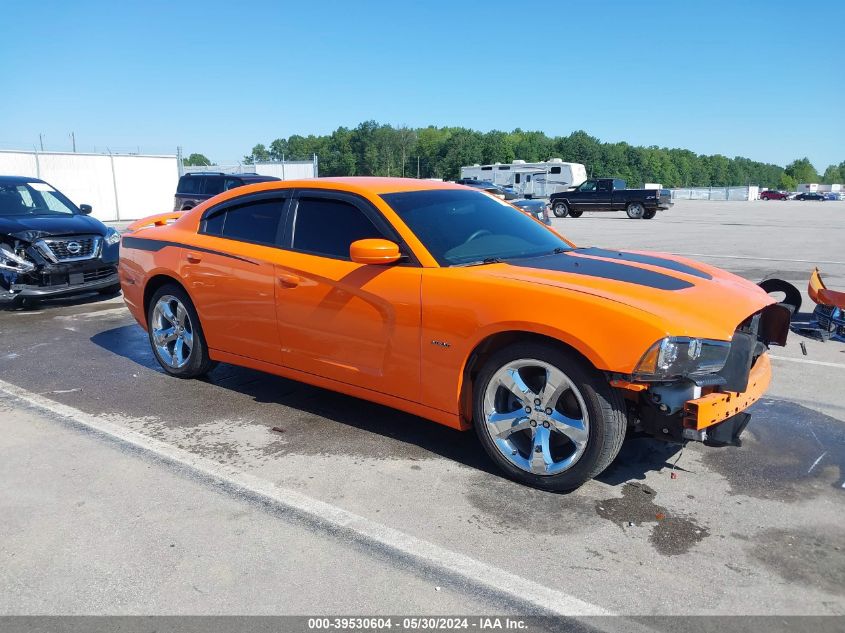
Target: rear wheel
x: 575, y: 214
x: 176, y: 335
x: 635, y: 210
x: 560, y: 209
x: 649, y: 214
x: 546, y: 417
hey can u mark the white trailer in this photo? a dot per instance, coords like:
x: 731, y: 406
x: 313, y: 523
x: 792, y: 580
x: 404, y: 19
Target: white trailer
x: 537, y: 180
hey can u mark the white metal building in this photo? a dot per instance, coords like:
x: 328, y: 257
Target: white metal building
x: 808, y: 187
x: 117, y: 186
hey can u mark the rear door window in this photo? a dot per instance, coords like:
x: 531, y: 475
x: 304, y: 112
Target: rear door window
x: 189, y: 184
x: 213, y: 185
x: 254, y: 221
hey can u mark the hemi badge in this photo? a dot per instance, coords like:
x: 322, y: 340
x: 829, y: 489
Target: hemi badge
x: 441, y: 343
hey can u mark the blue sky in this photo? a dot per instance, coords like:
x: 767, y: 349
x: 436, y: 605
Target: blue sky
x: 762, y: 79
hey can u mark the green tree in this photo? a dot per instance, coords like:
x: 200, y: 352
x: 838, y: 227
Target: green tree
x: 802, y: 170
x: 787, y: 182
x: 372, y: 148
x: 196, y: 160
x: 259, y: 154
x: 834, y: 174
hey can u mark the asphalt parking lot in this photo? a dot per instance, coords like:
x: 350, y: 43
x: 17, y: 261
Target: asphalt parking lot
x: 750, y: 530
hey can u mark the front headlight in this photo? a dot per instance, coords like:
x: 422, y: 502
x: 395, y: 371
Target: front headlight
x: 673, y: 357
x: 112, y: 237
x: 10, y: 261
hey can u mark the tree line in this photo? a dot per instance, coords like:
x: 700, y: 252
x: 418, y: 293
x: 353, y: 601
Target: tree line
x: 373, y: 149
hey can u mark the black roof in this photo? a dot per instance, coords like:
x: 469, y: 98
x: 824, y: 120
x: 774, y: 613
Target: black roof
x: 18, y: 180
x: 242, y: 176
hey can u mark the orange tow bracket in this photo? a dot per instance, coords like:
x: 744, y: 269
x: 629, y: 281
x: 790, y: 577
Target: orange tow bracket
x: 721, y: 405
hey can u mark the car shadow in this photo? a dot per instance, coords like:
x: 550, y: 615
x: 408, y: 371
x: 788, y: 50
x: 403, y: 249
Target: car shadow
x: 37, y: 305
x: 639, y: 455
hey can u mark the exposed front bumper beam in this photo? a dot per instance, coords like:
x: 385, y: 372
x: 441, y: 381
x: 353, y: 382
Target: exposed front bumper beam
x: 718, y: 407
x: 43, y: 292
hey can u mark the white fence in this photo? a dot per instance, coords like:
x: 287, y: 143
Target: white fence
x: 716, y: 193
x: 286, y: 170
x: 119, y: 186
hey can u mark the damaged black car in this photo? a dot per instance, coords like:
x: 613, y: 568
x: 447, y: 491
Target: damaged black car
x: 49, y: 247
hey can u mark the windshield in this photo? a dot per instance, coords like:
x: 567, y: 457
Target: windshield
x: 33, y: 198
x: 463, y: 227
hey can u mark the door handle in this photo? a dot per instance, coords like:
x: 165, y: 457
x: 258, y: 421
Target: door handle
x: 194, y: 258
x: 289, y: 280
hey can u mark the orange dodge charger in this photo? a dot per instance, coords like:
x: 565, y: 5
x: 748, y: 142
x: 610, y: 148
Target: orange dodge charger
x: 448, y: 303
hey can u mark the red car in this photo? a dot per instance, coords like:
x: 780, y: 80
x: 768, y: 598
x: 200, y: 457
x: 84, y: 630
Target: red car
x: 773, y: 195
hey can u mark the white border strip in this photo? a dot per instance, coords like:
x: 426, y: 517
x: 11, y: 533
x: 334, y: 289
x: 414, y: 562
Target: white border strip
x: 334, y: 519
x: 807, y: 361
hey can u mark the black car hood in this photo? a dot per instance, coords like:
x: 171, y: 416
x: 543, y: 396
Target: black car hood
x: 32, y: 227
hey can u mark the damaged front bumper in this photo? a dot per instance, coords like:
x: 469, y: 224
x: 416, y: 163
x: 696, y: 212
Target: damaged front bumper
x: 47, y: 279
x: 711, y: 408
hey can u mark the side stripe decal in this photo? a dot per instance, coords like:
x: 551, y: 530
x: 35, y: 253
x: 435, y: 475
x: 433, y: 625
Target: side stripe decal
x: 146, y: 244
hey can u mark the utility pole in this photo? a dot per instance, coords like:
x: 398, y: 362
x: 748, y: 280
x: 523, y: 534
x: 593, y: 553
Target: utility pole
x: 418, y: 167
x: 73, y: 141
x: 41, y: 141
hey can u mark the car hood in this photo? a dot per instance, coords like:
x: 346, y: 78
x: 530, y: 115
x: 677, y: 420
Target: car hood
x: 689, y: 298
x: 33, y: 227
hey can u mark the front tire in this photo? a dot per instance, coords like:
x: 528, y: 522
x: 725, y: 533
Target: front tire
x: 546, y: 417
x: 176, y: 335
x: 560, y: 209
x: 635, y: 210
x: 575, y: 214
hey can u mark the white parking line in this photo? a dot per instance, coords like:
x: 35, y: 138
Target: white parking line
x: 807, y: 361
x: 530, y: 595
x: 762, y: 259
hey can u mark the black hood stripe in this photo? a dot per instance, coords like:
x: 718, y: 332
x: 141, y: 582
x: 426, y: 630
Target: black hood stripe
x: 566, y: 263
x: 662, y: 262
x: 145, y: 244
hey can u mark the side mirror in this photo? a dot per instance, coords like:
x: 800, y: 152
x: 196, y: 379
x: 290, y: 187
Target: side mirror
x: 374, y: 251
x: 85, y: 209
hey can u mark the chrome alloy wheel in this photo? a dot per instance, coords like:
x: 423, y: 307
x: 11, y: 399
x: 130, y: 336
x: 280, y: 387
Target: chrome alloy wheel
x: 173, y: 332
x: 536, y: 417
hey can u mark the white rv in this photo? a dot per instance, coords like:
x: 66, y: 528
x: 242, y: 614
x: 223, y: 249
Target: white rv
x: 537, y: 180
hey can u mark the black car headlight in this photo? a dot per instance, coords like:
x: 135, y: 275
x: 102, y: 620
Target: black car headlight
x: 675, y: 357
x: 9, y: 260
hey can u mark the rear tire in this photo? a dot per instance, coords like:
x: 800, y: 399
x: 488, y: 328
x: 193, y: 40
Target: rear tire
x: 560, y: 209
x: 575, y: 214
x: 649, y: 214
x: 635, y: 210
x: 556, y: 451
x: 176, y: 335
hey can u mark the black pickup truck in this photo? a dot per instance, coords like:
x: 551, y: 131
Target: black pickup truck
x: 609, y: 194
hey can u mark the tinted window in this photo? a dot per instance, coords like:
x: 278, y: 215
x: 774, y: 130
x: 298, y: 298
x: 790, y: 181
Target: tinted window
x: 256, y: 221
x: 459, y: 227
x: 554, y: 170
x: 328, y: 227
x: 213, y: 185
x: 486, y: 168
x: 231, y: 183
x: 189, y: 184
